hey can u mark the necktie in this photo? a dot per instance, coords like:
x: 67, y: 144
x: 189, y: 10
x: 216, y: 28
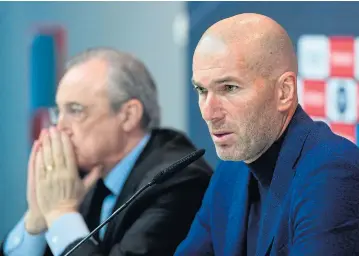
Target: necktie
x: 93, y: 220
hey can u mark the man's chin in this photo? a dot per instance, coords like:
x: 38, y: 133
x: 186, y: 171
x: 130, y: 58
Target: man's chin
x: 225, y: 154
x: 228, y: 153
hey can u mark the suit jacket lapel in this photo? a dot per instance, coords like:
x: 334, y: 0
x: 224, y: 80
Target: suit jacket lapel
x: 84, y: 208
x: 297, y: 133
x: 148, y: 158
x: 238, y: 216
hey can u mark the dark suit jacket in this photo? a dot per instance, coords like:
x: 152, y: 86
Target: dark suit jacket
x: 312, y: 207
x: 156, y: 222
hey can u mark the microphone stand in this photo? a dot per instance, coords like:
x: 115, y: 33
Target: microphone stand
x: 114, y: 214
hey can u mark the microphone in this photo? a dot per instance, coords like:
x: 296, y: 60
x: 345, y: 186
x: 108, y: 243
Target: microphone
x: 158, y: 179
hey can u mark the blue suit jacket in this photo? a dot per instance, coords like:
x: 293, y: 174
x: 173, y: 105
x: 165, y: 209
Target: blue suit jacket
x: 312, y: 207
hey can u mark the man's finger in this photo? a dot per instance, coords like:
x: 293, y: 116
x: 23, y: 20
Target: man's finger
x: 40, y: 172
x: 47, y: 152
x: 35, y: 147
x: 57, y: 150
x: 31, y: 163
x: 69, y: 154
x: 91, y: 178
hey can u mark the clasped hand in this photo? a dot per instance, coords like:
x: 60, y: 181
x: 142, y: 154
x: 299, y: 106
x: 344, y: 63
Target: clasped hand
x: 54, y: 185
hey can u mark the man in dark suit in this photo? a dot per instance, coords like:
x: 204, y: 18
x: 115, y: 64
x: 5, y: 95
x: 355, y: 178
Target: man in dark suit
x: 108, y: 127
x: 291, y: 187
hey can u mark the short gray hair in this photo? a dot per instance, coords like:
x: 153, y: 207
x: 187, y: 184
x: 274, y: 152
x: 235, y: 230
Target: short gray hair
x: 128, y: 79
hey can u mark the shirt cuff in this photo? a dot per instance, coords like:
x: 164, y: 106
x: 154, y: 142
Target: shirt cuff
x: 64, y: 231
x: 20, y: 242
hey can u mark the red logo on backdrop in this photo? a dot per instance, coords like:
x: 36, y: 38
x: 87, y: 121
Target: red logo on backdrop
x: 345, y: 130
x: 314, y: 97
x: 335, y: 98
x: 342, y: 56
x: 41, y: 120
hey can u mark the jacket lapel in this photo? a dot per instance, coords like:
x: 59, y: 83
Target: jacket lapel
x: 146, y: 161
x: 297, y: 133
x: 238, y: 215
x: 84, y: 208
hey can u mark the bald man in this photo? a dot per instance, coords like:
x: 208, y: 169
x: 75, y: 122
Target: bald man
x: 287, y: 185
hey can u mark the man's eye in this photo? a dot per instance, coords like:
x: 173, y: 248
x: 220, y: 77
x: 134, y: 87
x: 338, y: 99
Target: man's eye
x: 76, y: 109
x: 230, y: 88
x: 200, y: 90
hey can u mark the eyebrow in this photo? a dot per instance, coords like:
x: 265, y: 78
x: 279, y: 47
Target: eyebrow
x: 226, y: 79
x: 194, y: 83
x: 71, y: 104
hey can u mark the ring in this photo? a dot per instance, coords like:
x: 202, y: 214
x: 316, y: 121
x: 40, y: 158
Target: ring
x: 49, y: 167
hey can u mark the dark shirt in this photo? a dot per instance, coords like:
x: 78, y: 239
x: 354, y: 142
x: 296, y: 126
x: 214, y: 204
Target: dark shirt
x: 261, y: 176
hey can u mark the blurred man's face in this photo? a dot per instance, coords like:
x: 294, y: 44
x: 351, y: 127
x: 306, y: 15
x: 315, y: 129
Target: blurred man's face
x: 238, y: 106
x: 85, y: 113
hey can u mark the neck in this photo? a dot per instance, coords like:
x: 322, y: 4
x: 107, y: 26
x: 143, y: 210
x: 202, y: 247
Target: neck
x: 287, y: 119
x: 130, y: 142
x: 285, y: 122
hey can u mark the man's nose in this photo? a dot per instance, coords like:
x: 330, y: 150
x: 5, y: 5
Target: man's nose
x: 63, y: 124
x: 211, y: 108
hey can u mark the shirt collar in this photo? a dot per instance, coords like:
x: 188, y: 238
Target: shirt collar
x: 118, y: 175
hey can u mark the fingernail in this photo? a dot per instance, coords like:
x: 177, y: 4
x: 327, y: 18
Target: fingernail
x: 37, y: 146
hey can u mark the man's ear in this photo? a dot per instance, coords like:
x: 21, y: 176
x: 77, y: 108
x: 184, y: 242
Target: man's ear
x: 130, y: 115
x: 287, y: 91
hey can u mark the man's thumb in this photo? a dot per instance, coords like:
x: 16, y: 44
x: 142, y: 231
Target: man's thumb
x: 92, y: 177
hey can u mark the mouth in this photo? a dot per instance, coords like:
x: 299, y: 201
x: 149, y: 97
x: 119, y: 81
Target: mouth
x: 221, y: 136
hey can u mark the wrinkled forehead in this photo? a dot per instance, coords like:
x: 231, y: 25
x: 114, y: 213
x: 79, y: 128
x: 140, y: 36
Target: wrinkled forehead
x: 215, y: 61
x: 83, y: 83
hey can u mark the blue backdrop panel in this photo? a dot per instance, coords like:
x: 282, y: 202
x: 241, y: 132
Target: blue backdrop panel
x: 42, y: 71
x: 47, y: 53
